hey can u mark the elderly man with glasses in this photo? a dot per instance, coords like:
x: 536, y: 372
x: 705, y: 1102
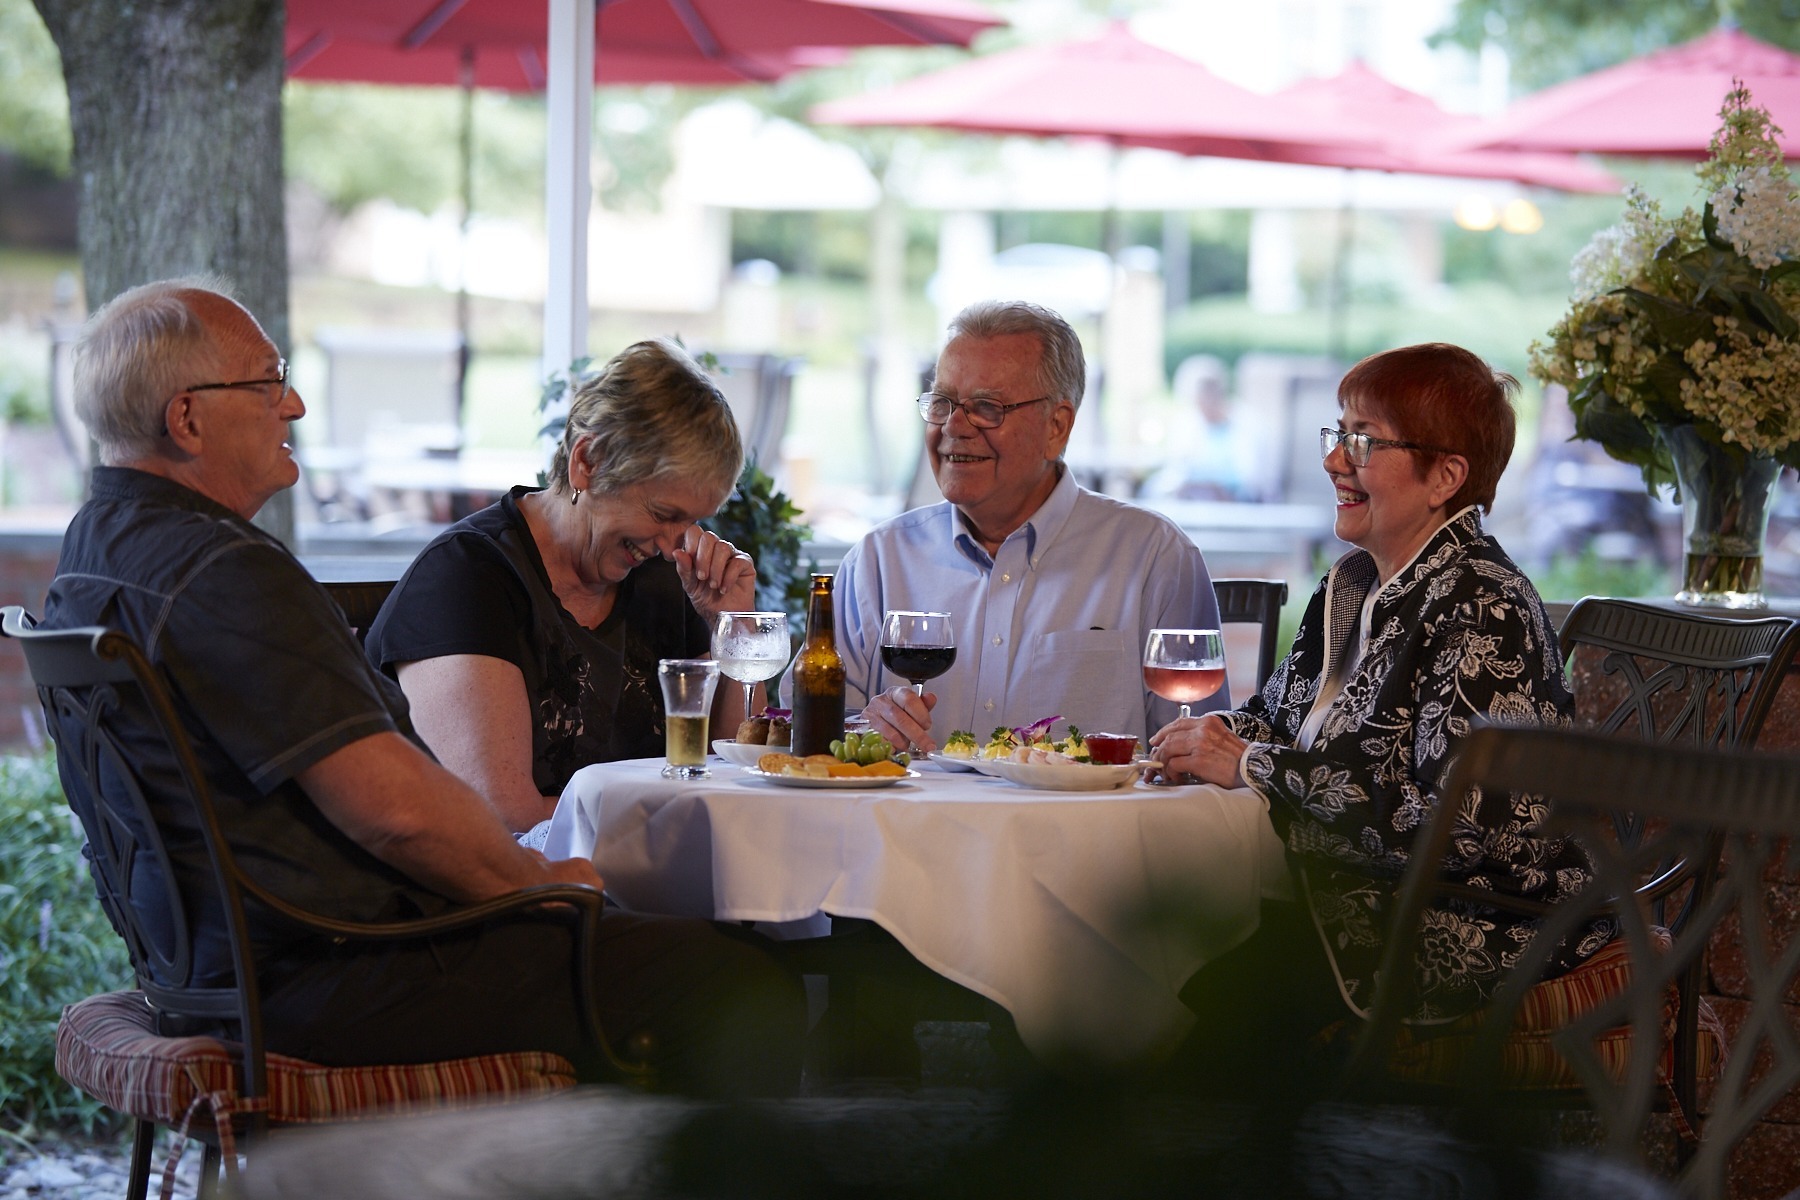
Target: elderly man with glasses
x: 1051, y: 588
x: 322, y: 787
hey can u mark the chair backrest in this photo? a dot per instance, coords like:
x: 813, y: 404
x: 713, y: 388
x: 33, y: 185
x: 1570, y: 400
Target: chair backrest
x: 1664, y: 676
x: 99, y: 694
x: 758, y: 387
x: 392, y: 386
x: 360, y: 600
x: 1737, y: 816
x: 1255, y: 602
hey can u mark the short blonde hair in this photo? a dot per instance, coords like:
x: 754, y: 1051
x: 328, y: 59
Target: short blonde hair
x: 651, y: 412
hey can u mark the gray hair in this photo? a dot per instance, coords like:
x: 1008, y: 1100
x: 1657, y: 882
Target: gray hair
x: 135, y: 353
x: 1062, y: 372
x: 651, y: 412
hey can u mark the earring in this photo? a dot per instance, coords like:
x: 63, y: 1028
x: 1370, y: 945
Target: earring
x: 574, y: 496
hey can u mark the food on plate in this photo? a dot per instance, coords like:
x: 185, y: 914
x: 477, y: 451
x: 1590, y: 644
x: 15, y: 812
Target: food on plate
x: 960, y: 744
x: 1043, y: 754
x: 770, y: 728
x: 866, y: 748
x: 1110, y: 748
x: 825, y: 766
x: 1006, y: 743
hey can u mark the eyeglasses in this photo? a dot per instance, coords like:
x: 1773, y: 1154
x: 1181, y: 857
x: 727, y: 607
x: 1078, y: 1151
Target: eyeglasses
x: 1359, y: 446
x: 281, y: 377
x: 982, y: 414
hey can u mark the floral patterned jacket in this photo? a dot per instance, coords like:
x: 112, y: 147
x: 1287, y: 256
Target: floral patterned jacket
x: 1459, y: 633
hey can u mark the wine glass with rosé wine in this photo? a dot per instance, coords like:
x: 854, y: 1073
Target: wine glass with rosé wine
x: 1184, y: 665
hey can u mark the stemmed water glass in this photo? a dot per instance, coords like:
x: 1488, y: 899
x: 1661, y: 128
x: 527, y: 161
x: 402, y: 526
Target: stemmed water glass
x: 751, y: 647
x: 1184, y: 665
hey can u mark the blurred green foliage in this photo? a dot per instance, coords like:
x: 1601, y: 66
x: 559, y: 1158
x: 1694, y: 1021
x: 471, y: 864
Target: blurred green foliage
x: 34, y: 108
x: 1588, y: 574
x: 1548, y: 41
x: 24, y: 378
x: 1495, y: 321
x: 56, y: 945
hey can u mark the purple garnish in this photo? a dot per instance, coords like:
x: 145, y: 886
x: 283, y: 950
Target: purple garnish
x: 1031, y: 732
x: 781, y: 713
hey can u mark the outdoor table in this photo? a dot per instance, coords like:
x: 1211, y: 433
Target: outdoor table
x: 1035, y: 899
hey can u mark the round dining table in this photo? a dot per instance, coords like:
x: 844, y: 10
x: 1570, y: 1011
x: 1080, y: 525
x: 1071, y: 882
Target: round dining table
x: 1081, y: 913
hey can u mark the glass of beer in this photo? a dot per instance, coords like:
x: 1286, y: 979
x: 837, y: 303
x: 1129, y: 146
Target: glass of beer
x: 687, y: 688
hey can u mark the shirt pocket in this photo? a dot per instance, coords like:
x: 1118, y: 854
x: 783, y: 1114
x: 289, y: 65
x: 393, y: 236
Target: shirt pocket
x: 1093, y: 677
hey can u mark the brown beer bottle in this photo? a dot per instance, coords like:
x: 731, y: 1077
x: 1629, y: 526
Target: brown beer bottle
x: 818, y: 677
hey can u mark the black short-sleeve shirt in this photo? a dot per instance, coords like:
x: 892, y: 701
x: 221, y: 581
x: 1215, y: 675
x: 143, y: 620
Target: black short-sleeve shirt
x: 268, y: 680
x: 481, y: 588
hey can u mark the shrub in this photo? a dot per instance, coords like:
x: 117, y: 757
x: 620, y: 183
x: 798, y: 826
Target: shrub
x: 56, y: 945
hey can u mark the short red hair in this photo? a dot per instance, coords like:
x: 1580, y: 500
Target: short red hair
x: 1443, y: 396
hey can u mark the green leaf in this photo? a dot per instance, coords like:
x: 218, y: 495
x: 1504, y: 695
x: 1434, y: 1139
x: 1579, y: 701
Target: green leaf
x: 1766, y: 311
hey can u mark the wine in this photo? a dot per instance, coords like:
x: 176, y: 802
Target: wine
x: 916, y: 664
x: 686, y: 744
x: 751, y: 669
x: 1184, y: 685
x: 818, y: 677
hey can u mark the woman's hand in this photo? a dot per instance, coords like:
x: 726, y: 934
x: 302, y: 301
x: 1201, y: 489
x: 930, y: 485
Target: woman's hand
x: 716, y: 575
x: 1203, y: 747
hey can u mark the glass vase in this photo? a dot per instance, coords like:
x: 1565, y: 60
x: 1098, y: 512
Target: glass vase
x: 1725, y: 497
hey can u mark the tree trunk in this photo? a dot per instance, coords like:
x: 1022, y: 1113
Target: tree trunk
x: 175, y: 112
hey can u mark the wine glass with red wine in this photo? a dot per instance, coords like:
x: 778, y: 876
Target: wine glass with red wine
x: 1184, y: 665
x: 917, y: 645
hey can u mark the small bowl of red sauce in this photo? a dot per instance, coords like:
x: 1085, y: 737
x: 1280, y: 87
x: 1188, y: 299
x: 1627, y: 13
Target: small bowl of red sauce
x: 1111, y: 749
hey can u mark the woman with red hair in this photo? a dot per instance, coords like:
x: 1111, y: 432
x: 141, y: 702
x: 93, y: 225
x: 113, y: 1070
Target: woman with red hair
x: 1421, y: 629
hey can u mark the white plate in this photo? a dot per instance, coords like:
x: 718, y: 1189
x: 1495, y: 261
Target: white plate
x: 947, y: 763
x: 745, y: 755
x: 987, y: 766
x: 813, y: 781
x: 1068, y: 777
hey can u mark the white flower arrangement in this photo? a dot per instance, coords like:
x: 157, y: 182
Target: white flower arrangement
x: 1691, y: 319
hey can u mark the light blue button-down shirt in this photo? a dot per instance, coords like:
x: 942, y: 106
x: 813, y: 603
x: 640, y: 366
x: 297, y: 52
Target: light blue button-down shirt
x: 1052, y: 625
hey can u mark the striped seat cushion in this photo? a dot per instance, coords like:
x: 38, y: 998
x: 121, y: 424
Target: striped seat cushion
x: 108, y: 1047
x: 1528, y: 1059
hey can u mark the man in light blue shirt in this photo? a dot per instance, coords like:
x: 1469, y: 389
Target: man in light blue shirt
x: 1051, y: 588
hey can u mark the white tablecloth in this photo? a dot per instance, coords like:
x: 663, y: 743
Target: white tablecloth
x: 1032, y: 898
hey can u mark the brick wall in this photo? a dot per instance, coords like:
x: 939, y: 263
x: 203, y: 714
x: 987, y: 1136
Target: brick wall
x: 27, y: 563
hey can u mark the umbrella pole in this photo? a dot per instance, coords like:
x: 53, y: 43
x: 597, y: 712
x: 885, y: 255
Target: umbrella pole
x: 464, y: 351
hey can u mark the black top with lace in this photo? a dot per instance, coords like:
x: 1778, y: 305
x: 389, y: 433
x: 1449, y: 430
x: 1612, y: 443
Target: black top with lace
x: 1459, y: 633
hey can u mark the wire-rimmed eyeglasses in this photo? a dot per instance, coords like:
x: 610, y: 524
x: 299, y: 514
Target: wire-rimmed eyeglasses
x: 1359, y: 446
x: 281, y: 377
x: 982, y: 414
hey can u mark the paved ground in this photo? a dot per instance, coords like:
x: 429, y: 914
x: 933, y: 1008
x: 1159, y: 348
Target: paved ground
x: 57, y: 1168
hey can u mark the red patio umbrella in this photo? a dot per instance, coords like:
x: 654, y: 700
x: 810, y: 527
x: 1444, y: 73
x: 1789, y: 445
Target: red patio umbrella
x: 733, y: 36
x: 1664, y: 104
x: 317, y: 55
x: 1113, y: 86
x: 1362, y: 120
x: 636, y: 41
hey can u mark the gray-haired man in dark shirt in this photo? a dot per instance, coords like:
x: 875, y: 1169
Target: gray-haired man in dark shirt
x: 323, y: 790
